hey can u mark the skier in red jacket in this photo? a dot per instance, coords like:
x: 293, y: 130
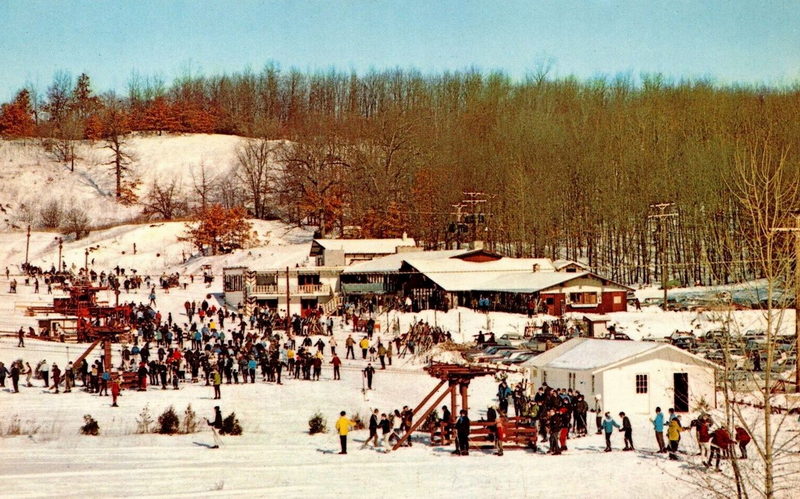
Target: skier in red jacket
x: 743, y: 438
x: 720, y: 443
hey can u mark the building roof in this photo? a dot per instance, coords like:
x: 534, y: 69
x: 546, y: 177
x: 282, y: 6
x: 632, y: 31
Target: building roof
x: 267, y: 257
x: 591, y: 354
x: 364, y: 246
x: 560, y: 264
x: 393, y: 262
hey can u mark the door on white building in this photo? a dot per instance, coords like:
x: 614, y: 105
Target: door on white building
x: 681, y: 386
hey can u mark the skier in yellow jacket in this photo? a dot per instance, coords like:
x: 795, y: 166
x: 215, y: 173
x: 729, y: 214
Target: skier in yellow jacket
x: 343, y: 425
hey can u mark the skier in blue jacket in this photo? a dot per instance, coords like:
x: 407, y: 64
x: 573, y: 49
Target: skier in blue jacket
x: 608, y: 427
x: 658, y: 427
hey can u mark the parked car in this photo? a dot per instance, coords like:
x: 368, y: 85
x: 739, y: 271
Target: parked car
x: 519, y: 359
x: 657, y: 339
x: 539, y: 342
x: 495, y: 357
x: 488, y: 352
x: 755, y: 334
x: 685, y: 342
x: 510, y: 339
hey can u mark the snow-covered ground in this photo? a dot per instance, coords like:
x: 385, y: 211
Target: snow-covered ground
x: 30, y: 177
x: 276, y: 456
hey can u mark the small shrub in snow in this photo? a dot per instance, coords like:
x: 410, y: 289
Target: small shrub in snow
x: 168, y: 422
x: 14, y: 427
x: 90, y: 426
x: 190, y: 420
x: 230, y: 425
x: 144, y: 420
x: 317, y: 424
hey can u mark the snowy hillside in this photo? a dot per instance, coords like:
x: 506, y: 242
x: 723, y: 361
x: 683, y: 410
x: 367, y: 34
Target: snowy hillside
x: 158, y: 249
x: 29, y: 176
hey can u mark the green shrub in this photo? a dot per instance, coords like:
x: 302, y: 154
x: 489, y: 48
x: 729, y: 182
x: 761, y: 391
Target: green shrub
x: 90, y: 426
x: 230, y: 425
x: 317, y: 424
x: 168, y: 422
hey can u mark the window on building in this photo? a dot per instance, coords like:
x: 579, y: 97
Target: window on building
x: 592, y: 383
x: 266, y: 279
x: 571, y: 381
x: 641, y: 383
x: 583, y: 298
x: 232, y: 283
x: 544, y: 377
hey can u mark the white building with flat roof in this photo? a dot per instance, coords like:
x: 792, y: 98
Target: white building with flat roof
x: 631, y: 376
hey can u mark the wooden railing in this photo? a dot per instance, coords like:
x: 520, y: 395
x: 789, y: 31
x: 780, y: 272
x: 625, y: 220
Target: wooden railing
x: 303, y: 289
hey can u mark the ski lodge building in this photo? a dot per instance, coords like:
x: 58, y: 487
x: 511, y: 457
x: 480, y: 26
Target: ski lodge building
x: 450, y: 278
x: 332, y: 269
x: 631, y: 376
x: 306, y: 280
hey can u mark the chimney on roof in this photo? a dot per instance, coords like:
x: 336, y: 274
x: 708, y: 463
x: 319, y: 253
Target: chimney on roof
x: 536, y: 267
x: 476, y: 245
x: 405, y: 236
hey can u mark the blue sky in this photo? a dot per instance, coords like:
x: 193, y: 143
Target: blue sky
x: 727, y: 41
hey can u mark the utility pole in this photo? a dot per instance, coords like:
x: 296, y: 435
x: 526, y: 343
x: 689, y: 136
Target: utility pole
x: 60, y: 244
x: 288, y: 301
x: 27, y: 247
x: 473, y: 218
x: 796, y: 231
x: 473, y: 199
x: 660, y: 214
x: 457, y: 225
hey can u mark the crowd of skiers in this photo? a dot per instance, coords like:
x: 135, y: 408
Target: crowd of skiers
x: 561, y: 414
x: 164, y: 353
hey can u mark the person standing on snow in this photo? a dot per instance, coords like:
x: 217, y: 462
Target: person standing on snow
x: 720, y: 443
x: 349, y: 344
x: 56, y: 376
x: 743, y: 438
x: 608, y: 428
x: 115, y: 389
x: 15, y: 376
x: 216, y: 425
x: 28, y: 374
x: 500, y: 434
x: 373, y: 430
x: 369, y: 371
x: 462, y: 434
x: 343, y: 425
x: 217, y: 381
x: 44, y: 371
x: 386, y: 431
x: 674, y: 436
x: 598, y: 414
x: 658, y: 427
x: 627, y: 429
x: 336, y: 361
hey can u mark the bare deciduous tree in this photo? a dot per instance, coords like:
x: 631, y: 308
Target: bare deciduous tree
x: 165, y: 199
x: 254, y: 164
x: 766, y: 187
x: 203, y: 184
x: 76, y: 221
